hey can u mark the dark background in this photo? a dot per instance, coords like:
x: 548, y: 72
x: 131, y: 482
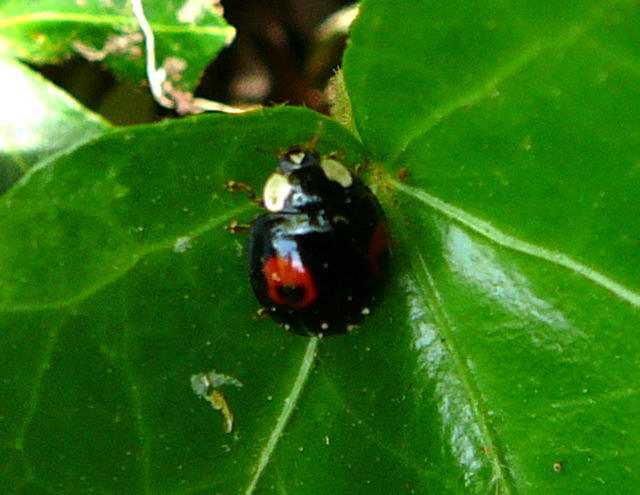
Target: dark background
x: 275, y: 58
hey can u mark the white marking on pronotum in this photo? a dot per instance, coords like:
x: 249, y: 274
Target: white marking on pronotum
x: 336, y: 171
x: 297, y: 157
x: 276, y: 191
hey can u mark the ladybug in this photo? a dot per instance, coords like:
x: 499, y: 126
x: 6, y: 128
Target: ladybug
x: 318, y: 257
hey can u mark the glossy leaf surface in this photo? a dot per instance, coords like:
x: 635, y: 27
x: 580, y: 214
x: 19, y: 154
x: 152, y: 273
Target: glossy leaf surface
x: 188, y: 35
x: 503, y: 359
x: 514, y: 131
x: 37, y: 119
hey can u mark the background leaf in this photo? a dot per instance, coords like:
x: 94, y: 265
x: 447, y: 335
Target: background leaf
x: 46, y: 31
x: 37, y: 119
x: 514, y: 133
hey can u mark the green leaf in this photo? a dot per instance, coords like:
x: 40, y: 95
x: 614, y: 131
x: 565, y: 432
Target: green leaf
x: 119, y: 283
x: 514, y: 130
x: 187, y: 35
x: 136, y: 190
x: 37, y: 119
x: 503, y: 359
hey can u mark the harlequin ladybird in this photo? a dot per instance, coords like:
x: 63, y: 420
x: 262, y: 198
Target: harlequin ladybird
x: 318, y: 257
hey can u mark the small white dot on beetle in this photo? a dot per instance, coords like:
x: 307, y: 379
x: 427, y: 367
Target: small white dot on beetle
x: 287, y: 326
x: 365, y: 311
x: 340, y: 219
x: 324, y: 325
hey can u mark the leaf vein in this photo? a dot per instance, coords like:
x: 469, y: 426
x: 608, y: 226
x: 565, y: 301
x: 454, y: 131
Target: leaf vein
x: 129, y: 264
x: 111, y: 20
x: 487, y: 230
x: 501, y: 74
x: 34, y: 396
x: 501, y: 477
x: 615, y: 56
x: 285, y: 414
x: 136, y: 405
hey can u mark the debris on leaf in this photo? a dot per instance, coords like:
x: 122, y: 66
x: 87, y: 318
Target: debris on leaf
x: 206, y: 385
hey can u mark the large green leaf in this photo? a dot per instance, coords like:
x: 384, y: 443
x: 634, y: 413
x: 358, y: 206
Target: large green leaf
x: 188, y: 35
x: 515, y: 128
x: 118, y: 283
x: 503, y: 359
x: 37, y: 119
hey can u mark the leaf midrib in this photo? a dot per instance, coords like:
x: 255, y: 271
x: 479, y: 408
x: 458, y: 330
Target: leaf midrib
x: 128, y: 263
x: 289, y: 405
x: 483, y: 91
x: 110, y: 20
x: 487, y: 230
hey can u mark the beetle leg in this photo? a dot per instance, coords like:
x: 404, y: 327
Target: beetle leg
x: 234, y: 227
x: 234, y: 186
x: 261, y: 314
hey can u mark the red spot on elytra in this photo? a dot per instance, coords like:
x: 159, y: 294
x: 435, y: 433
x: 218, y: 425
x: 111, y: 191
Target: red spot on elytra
x: 378, y: 249
x: 288, y: 283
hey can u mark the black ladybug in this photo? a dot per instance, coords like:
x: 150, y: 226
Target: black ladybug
x: 319, y: 257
